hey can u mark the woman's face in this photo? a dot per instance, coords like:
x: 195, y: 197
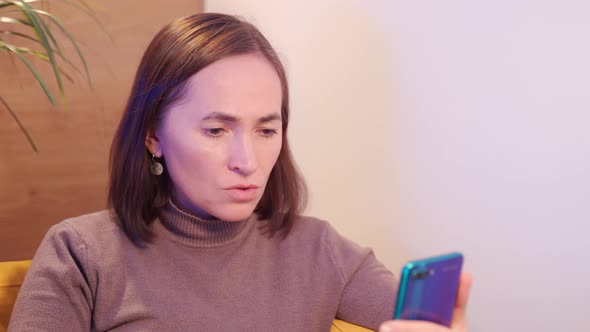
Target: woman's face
x: 222, y: 139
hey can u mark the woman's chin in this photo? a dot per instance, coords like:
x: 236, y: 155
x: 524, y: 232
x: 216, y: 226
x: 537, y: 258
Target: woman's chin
x: 226, y: 211
x: 235, y: 214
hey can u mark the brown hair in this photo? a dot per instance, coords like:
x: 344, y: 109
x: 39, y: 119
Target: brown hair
x: 180, y: 50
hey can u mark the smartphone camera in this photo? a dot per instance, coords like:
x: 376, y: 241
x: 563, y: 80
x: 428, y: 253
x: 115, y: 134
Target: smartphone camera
x: 421, y: 274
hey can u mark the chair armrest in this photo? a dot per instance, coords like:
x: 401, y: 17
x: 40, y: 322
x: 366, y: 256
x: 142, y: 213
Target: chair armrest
x: 342, y: 326
x: 12, y: 275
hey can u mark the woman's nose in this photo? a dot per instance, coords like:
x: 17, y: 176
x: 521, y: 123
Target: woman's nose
x: 243, y: 157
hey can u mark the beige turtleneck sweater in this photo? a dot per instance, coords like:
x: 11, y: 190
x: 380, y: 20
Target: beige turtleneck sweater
x: 200, y: 275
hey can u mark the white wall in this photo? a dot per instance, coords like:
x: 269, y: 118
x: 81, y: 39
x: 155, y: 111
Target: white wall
x: 429, y: 126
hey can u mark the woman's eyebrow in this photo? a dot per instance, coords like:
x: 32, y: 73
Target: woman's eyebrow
x: 270, y: 117
x: 225, y: 117
x: 221, y: 117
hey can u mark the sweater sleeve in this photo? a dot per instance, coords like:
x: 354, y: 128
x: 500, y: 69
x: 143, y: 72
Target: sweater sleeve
x: 56, y: 294
x: 369, y: 289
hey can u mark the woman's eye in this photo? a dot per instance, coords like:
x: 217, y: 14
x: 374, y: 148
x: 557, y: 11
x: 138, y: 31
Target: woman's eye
x: 268, y: 132
x: 214, y: 132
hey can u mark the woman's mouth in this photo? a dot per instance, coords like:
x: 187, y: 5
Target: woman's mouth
x: 242, y: 193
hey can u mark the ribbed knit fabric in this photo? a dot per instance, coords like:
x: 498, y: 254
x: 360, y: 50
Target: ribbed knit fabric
x: 191, y: 230
x: 200, y: 275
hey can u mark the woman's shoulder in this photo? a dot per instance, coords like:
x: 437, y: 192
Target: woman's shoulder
x: 308, y: 223
x: 320, y: 231
x: 310, y: 227
x: 96, y: 226
x: 315, y: 237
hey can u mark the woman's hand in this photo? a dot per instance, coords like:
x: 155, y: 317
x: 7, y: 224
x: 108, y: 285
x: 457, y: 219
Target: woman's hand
x: 459, y: 323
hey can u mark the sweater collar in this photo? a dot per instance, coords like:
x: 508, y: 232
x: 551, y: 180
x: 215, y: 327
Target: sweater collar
x: 192, y: 230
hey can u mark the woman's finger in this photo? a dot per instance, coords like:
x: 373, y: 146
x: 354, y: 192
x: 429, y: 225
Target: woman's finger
x: 399, y: 325
x: 460, y: 311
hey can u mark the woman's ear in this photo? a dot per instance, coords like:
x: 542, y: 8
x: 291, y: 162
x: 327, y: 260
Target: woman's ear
x: 152, y: 143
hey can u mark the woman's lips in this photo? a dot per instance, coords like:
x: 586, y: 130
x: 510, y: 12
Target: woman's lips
x: 242, y: 194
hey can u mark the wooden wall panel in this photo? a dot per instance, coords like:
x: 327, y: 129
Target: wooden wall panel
x: 68, y: 176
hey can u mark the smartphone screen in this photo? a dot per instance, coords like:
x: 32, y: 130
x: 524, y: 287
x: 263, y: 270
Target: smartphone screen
x: 428, y: 289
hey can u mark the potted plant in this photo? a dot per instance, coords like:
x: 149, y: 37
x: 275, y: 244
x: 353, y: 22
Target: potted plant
x: 26, y: 31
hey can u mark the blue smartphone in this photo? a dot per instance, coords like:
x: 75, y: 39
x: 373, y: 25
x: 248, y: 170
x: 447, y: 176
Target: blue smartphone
x: 428, y: 289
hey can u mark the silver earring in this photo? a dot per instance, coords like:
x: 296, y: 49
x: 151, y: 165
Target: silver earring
x: 156, y: 168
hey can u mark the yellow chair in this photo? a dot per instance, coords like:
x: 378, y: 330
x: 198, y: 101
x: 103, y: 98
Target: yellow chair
x: 342, y: 326
x: 12, y: 275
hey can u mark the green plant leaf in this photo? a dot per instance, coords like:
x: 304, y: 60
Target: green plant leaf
x: 4, y: 19
x: 94, y: 4
x: 22, y: 35
x: 14, y: 50
x: 36, y: 20
x: 56, y: 21
x: 22, y: 128
x: 44, y: 57
x: 86, y: 9
x: 66, y: 60
x: 41, y: 30
x: 5, y: 3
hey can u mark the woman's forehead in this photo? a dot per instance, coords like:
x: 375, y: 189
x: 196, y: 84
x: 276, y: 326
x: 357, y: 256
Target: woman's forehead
x: 240, y: 86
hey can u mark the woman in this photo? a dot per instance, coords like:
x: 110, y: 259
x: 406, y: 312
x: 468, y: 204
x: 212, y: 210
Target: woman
x: 204, y: 229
